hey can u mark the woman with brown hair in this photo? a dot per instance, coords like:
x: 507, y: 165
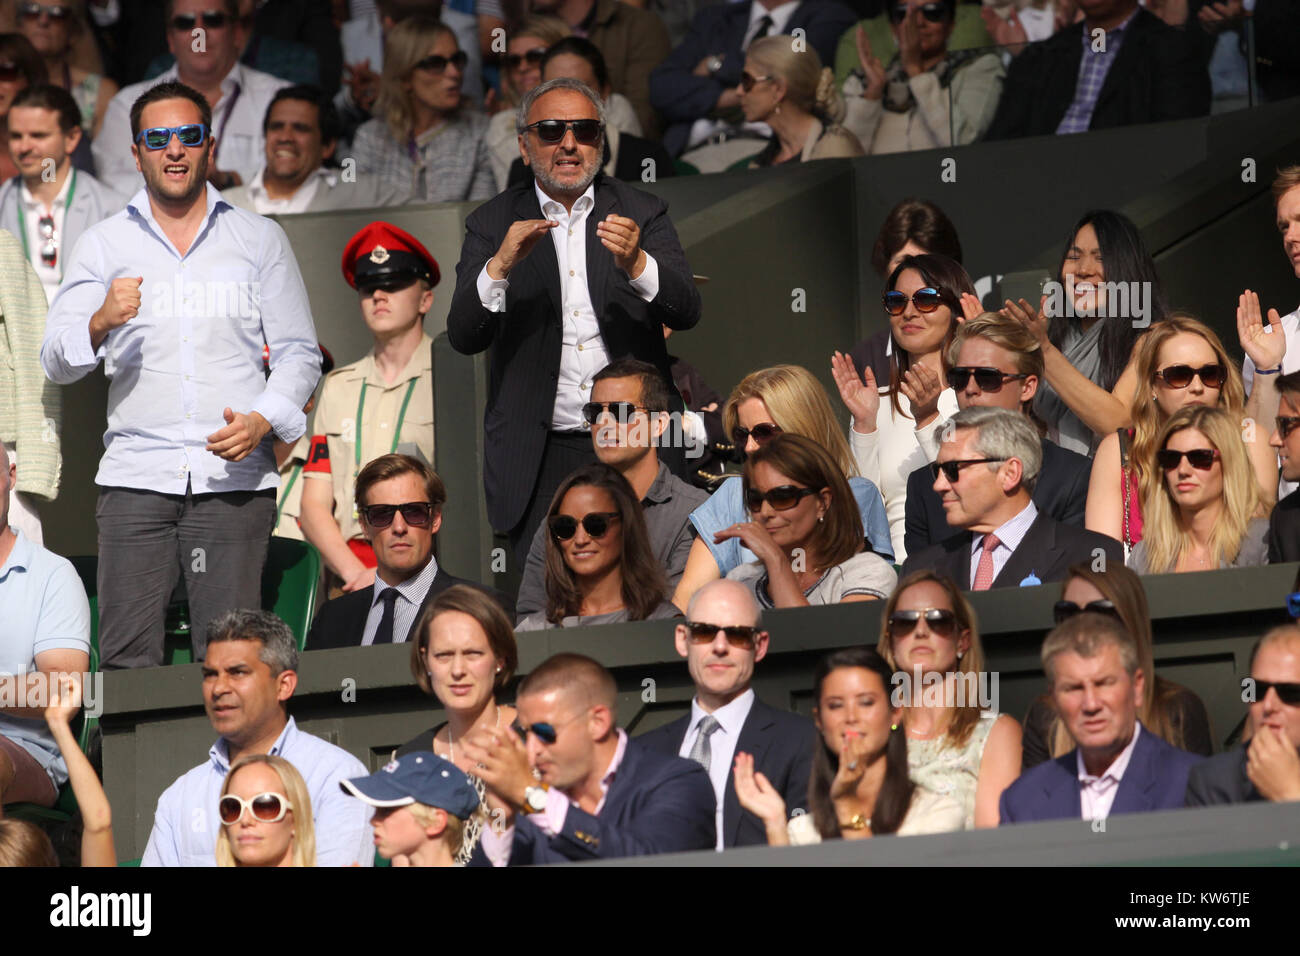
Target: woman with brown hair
x: 1170, y: 711
x: 521, y: 70
x: 956, y: 745
x: 859, y: 786
x: 54, y: 28
x: 20, y: 67
x: 600, y: 567
x: 805, y: 529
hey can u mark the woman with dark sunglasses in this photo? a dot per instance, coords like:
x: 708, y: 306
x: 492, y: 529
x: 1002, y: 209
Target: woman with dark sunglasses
x: 925, y: 97
x: 600, y: 568
x: 1170, y: 711
x: 783, y: 399
x: 805, y: 529
x: 1206, y: 511
x: 54, y: 28
x: 897, y: 424
x: 1185, y: 365
x: 521, y: 70
x: 264, y: 815
x: 422, y: 136
x: 956, y: 744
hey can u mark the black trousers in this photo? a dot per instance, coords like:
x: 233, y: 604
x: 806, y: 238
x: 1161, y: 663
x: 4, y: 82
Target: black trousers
x: 564, y: 453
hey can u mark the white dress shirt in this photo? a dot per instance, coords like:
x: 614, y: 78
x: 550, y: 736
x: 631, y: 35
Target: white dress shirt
x: 411, y: 594
x: 1009, y: 534
x: 34, y: 241
x: 722, y: 744
x: 1097, y: 794
x: 264, y: 205
x: 582, y: 351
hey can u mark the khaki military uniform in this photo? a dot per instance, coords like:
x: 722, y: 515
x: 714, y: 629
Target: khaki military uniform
x: 288, y: 500
x: 356, y: 402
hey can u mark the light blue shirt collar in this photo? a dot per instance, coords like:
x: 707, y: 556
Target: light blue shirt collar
x: 220, y: 752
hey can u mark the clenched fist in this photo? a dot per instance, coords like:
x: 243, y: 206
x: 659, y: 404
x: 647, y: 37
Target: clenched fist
x: 121, y: 304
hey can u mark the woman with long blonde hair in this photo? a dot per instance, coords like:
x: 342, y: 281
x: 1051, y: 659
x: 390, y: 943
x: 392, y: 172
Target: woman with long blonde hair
x: 1184, y: 364
x: 420, y: 136
x: 1206, y: 512
x: 956, y: 744
x: 1170, y: 711
x: 783, y: 399
x: 521, y: 70
x: 265, y: 815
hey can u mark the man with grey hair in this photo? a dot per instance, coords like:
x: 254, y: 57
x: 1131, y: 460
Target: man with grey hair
x: 722, y: 639
x: 985, y: 472
x: 249, y: 674
x: 555, y: 313
x: 1117, y: 765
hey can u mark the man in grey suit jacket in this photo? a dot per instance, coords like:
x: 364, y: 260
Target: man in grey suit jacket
x: 722, y: 640
x: 50, y: 204
x: 301, y: 130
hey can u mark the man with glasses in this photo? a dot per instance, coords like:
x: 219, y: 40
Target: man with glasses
x: 380, y: 404
x: 1284, y: 522
x: 567, y: 784
x: 1267, y: 767
x: 399, y: 500
x: 995, y: 362
x: 248, y: 680
x: 628, y: 418
x: 557, y: 309
x: 722, y: 640
x: 202, y: 35
x: 985, y: 474
x: 178, y: 298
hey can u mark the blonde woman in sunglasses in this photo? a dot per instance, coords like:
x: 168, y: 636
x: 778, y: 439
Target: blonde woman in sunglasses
x: 265, y: 815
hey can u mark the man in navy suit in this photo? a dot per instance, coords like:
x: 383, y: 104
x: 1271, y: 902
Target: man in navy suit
x: 700, y: 76
x: 722, y: 640
x: 1117, y: 766
x: 985, y: 473
x: 596, y: 794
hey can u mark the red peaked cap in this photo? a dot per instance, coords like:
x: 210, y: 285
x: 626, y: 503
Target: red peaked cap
x: 382, y: 251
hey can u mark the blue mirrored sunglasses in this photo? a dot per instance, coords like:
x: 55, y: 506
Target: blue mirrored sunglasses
x: 157, y: 137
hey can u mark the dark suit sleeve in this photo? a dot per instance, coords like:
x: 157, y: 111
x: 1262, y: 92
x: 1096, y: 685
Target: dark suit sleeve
x: 1005, y: 813
x: 532, y: 589
x: 1182, y: 81
x: 470, y: 327
x: 796, y: 784
x: 677, y: 303
x: 1274, y: 539
x: 916, y: 524
x: 1075, y: 509
x: 1200, y: 787
x: 1018, y: 91
x: 675, y: 91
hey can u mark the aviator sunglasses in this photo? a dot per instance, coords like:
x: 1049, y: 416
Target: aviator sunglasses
x: 738, y: 635
x: 1062, y: 611
x: 940, y: 621
x: 265, y: 807
x: 33, y: 11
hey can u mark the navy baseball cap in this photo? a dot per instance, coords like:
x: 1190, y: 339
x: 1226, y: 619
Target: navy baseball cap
x: 417, y: 778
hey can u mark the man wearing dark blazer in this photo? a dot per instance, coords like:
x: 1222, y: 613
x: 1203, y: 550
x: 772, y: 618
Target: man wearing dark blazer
x: 596, y: 794
x: 1284, y: 522
x: 557, y: 308
x: 995, y: 362
x: 698, y: 80
x: 722, y: 640
x: 1268, y: 766
x: 1117, y: 766
x: 400, y: 500
x: 1159, y: 73
x: 984, y: 475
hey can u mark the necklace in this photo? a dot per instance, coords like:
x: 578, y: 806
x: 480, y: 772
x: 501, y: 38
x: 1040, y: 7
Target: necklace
x: 451, y: 743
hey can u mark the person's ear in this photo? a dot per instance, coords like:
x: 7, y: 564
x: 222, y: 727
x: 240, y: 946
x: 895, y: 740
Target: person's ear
x: 1139, y: 685
x: 135, y: 153
x: 817, y: 717
x: 1028, y: 388
x: 523, y: 150
x: 286, y: 682
x: 761, y: 644
x: 600, y: 721
x: 426, y: 301
x: 73, y: 138
x: 1013, y: 473
x: 963, y: 643
x: 436, y: 829
x: 681, y: 639
x: 436, y: 523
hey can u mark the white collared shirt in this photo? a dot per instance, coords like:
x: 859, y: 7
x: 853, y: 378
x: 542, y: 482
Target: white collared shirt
x: 731, y: 718
x: 1097, y: 794
x: 264, y: 205
x: 1009, y: 534
x: 33, y: 210
x: 582, y: 350
x: 780, y: 17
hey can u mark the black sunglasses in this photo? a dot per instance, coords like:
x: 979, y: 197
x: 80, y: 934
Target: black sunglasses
x: 157, y: 137
x: 934, y: 12
x: 533, y: 58
x: 622, y: 411
x: 596, y: 523
x: 781, y: 498
x: 9, y: 72
x: 762, y: 434
x: 418, y: 514
x: 1199, y: 458
x: 748, y: 80
x: 437, y: 64
x: 212, y: 19
x: 50, y: 244
x: 33, y: 11
x: 1286, y: 424
x: 1062, y: 611
x: 585, y: 131
x: 926, y: 300
x: 1288, y: 693
x: 940, y: 621
x: 738, y: 635
x: 1180, y: 376
x: 986, y: 379
x: 952, y: 469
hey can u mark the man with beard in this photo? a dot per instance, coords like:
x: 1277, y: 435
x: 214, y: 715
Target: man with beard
x: 556, y: 312
x: 178, y: 295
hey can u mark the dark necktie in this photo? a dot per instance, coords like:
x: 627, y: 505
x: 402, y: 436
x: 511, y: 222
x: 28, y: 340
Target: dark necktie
x: 385, y: 633
x: 764, y: 25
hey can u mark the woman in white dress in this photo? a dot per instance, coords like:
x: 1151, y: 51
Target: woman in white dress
x: 859, y: 786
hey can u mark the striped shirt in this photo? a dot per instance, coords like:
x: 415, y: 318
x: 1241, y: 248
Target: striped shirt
x: 1009, y: 537
x: 411, y: 594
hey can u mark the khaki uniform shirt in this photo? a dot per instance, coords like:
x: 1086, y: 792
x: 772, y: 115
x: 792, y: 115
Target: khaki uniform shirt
x: 288, y: 500
x: 382, y: 426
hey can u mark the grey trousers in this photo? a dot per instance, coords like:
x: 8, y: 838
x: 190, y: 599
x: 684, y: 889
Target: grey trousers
x: 147, y: 539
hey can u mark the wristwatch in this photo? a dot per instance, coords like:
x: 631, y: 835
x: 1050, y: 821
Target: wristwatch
x: 713, y: 64
x: 535, y: 798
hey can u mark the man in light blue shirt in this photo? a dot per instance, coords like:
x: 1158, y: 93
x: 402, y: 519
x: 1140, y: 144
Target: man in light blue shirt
x: 44, y: 627
x: 248, y: 677
x: 177, y: 295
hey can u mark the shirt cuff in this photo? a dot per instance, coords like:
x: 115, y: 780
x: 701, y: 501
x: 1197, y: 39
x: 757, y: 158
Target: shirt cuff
x: 551, y: 820
x: 646, y: 285
x: 287, y: 420
x: 928, y: 437
x: 496, y: 845
x: 492, y: 292
x: 77, y: 350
